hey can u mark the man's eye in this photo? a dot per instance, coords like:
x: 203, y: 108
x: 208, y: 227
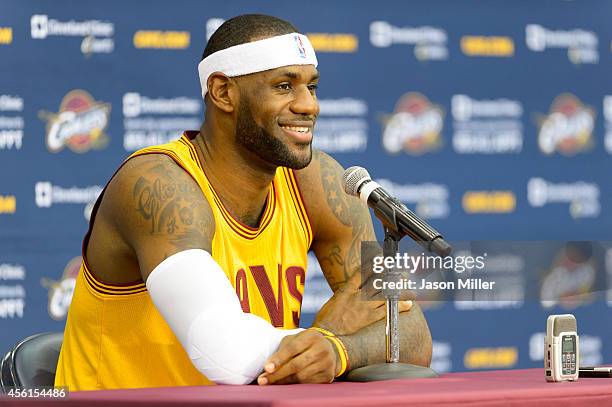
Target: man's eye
x: 313, y: 87
x: 284, y: 86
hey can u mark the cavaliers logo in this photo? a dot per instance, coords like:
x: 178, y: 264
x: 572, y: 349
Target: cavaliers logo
x: 60, y: 292
x: 415, y: 126
x: 568, y: 128
x: 79, y: 124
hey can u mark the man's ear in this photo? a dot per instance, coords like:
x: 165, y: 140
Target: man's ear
x: 223, y: 92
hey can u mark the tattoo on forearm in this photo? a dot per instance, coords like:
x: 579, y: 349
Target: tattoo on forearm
x: 331, y: 260
x: 368, y: 346
x: 168, y: 203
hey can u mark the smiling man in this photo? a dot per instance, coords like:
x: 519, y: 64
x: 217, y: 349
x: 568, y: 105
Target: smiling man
x: 194, y: 263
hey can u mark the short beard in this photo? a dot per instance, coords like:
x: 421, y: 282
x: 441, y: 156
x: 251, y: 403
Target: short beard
x: 258, y: 141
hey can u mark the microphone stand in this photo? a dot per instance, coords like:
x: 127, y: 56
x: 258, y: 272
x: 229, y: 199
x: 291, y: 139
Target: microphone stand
x: 393, y: 368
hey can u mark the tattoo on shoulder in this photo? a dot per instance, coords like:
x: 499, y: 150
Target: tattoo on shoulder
x: 351, y: 213
x: 169, y: 203
x: 334, y: 191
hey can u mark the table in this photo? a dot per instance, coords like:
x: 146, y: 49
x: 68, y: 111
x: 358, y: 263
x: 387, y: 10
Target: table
x: 473, y: 389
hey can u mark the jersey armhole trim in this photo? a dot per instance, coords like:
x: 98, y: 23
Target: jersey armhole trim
x: 299, y: 202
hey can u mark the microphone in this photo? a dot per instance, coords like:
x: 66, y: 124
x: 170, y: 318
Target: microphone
x: 393, y: 213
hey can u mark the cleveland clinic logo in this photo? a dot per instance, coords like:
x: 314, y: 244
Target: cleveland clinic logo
x: 414, y: 127
x: 568, y: 128
x: 47, y: 195
x: 97, y: 35
x: 581, y: 45
x: 430, y: 43
x: 135, y: 104
x: 62, y: 290
x: 79, y: 124
x: 582, y: 197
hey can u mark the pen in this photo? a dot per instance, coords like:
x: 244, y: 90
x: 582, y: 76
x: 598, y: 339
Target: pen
x: 588, y: 371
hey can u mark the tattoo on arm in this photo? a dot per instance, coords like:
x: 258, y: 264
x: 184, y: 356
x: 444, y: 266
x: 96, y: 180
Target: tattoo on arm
x: 168, y: 202
x: 333, y: 258
x: 351, y: 213
x: 336, y: 197
x: 368, y: 346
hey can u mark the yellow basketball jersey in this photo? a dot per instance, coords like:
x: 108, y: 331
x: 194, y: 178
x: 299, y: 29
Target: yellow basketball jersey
x: 116, y: 338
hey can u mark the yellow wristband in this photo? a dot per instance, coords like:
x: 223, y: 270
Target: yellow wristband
x: 325, y: 332
x: 342, y: 353
x: 345, y: 353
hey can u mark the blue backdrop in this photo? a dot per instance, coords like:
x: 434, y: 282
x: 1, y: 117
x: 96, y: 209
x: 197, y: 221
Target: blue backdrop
x: 492, y: 119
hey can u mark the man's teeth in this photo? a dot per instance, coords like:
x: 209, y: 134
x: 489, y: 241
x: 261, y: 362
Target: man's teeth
x: 298, y: 129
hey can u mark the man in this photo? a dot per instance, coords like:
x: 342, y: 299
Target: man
x: 194, y: 265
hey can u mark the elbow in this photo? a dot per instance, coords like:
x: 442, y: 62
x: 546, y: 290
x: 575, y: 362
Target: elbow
x: 232, y: 371
x: 424, y: 358
x: 235, y: 379
x: 229, y: 361
x: 425, y: 345
x: 422, y: 354
x: 418, y: 340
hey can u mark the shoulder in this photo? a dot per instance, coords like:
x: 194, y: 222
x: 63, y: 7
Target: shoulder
x: 154, y: 203
x: 321, y: 173
x: 147, y: 165
x: 152, y: 180
x: 321, y: 183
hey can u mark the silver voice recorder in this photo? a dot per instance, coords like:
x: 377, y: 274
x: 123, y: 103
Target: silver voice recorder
x: 561, y: 348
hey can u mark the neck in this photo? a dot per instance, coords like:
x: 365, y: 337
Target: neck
x: 241, y: 180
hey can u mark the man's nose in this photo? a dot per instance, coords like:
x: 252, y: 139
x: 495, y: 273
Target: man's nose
x: 305, y: 102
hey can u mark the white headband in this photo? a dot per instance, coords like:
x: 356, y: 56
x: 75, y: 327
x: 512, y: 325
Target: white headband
x: 258, y: 56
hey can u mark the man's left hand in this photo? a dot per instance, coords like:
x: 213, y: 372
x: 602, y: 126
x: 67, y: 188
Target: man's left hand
x: 348, y: 311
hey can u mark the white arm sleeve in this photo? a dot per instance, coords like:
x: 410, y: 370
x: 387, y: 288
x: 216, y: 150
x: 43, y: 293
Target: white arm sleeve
x: 200, y: 305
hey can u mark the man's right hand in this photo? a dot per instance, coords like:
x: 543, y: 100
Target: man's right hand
x: 303, y: 358
x: 347, y: 311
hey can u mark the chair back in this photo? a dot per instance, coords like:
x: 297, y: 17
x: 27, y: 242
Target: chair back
x: 32, y: 362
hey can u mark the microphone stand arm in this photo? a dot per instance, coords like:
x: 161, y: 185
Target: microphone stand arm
x: 390, y: 248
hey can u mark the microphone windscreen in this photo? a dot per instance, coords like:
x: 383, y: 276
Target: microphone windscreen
x: 564, y: 323
x: 353, y: 178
